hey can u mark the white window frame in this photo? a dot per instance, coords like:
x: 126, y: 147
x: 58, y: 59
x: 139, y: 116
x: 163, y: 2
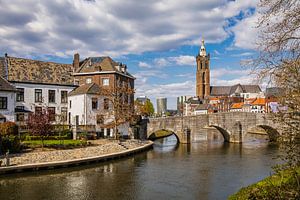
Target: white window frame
x: 88, y: 80
x: 104, y: 83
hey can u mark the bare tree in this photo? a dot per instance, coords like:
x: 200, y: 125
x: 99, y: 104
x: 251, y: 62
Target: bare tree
x: 279, y: 62
x: 119, y: 102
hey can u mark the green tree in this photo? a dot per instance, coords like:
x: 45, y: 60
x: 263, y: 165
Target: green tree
x: 9, y: 139
x: 145, y: 109
x: 148, y: 108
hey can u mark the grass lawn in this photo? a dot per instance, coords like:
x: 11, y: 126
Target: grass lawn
x: 284, y: 185
x: 55, y: 143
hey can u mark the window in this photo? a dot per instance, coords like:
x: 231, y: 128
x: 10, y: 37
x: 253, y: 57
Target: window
x: 51, y: 96
x: 106, y: 104
x: 94, y: 103
x: 38, y: 95
x: 88, y: 80
x: 64, y: 96
x: 51, y: 111
x: 38, y: 109
x: 3, y: 102
x: 20, y: 94
x: 105, y: 81
x: 20, y: 108
x: 70, y: 104
x: 20, y: 117
x: 100, y: 119
x: 64, y: 114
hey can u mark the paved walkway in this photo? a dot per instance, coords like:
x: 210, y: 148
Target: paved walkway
x: 102, y: 147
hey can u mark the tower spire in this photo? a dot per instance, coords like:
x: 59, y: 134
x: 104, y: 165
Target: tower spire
x: 202, y: 49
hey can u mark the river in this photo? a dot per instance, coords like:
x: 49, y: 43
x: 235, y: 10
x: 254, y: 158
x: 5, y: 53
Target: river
x: 205, y: 170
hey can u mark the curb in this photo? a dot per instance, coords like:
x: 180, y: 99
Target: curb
x: 73, y: 162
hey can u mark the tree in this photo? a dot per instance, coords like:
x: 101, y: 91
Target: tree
x: 8, y: 129
x: 118, y: 104
x: 279, y: 62
x: 39, y: 124
x: 145, y: 109
x: 149, y: 109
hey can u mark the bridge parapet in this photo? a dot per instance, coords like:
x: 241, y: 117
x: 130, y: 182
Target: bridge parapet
x: 232, y: 125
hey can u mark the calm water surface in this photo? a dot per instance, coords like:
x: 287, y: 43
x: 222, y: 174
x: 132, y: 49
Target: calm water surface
x: 204, y: 170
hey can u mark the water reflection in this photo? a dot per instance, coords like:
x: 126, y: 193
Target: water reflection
x: 166, y: 144
x: 204, y: 170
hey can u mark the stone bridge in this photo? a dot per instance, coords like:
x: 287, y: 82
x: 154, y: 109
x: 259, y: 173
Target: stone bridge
x: 232, y: 125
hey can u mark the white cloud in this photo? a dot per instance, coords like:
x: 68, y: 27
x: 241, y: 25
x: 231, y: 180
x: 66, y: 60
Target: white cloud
x: 242, y: 54
x: 246, y: 33
x: 112, y: 27
x: 183, y: 60
x: 218, y: 73
x: 144, y: 65
x: 161, y: 62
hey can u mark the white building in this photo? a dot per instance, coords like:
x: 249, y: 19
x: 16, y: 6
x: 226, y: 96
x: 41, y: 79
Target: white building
x: 90, y: 111
x: 39, y: 85
x: 7, y: 101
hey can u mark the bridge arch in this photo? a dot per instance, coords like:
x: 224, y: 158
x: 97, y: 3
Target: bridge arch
x: 272, y: 133
x: 224, y: 132
x: 161, y: 133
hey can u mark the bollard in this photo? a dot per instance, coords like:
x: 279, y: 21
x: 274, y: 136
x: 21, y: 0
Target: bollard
x: 7, y: 158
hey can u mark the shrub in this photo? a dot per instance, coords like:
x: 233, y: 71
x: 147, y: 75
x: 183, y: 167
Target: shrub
x: 9, y: 139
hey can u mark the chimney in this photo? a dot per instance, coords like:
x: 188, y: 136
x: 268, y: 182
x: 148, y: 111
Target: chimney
x: 76, y: 62
x: 124, y: 68
x: 6, y: 62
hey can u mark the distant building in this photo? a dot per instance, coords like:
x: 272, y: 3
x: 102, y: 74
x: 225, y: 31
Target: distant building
x: 190, y: 105
x: 161, y: 104
x: 181, y: 104
x: 142, y: 99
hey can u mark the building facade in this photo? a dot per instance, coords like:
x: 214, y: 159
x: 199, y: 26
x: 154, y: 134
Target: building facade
x: 40, y: 85
x: 7, y: 101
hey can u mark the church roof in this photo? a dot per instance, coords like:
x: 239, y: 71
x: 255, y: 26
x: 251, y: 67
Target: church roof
x: 229, y: 90
x: 35, y: 71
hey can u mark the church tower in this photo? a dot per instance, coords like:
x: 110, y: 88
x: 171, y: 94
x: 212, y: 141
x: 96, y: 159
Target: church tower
x: 203, y: 73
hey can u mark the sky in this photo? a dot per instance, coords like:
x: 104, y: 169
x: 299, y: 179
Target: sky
x: 157, y: 39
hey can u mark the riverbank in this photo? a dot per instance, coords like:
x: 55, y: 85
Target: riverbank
x: 100, y: 150
x: 283, y: 185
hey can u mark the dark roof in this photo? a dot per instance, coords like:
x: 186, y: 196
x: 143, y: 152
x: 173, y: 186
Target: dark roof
x: 194, y: 100
x: 220, y: 90
x: 102, y: 64
x: 35, y: 71
x: 229, y: 90
x: 6, y: 86
x: 202, y: 107
x: 274, y: 91
x: 90, y: 88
